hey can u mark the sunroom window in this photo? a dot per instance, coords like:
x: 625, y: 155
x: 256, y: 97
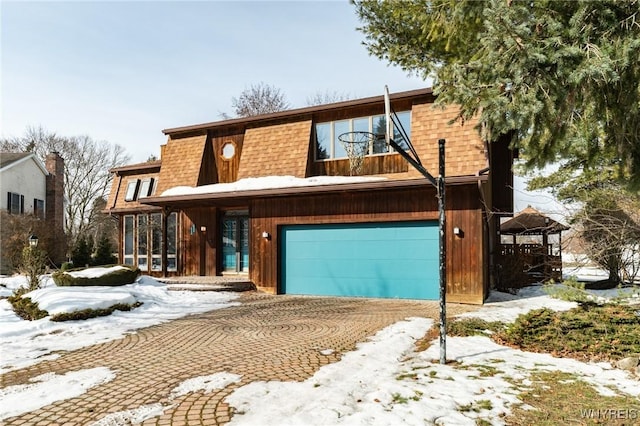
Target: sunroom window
x: 142, y: 241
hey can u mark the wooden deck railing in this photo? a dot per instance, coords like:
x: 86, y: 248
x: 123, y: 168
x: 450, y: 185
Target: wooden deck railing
x: 535, y: 260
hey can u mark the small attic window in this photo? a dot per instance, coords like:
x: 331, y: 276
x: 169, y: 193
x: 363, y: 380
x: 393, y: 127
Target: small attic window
x: 228, y: 150
x: 132, y: 188
x: 145, y: 188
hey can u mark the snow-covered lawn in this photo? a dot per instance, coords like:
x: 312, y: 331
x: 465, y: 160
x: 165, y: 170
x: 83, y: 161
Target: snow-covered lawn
x: 383, y: 382
x: 25, y: 343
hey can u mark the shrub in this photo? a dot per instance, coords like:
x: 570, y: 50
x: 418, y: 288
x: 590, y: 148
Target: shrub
x: 590, y: 331
x: 526, y: 330
x: 25, y: 308
x: 126, y: 275
x: 93, y: 313
x: 570, y: 290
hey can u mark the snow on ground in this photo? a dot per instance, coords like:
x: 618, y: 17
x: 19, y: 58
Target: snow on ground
x: 49, y: 388
x: 25, y: 343
x: 270, y: 182
x: 386, y: 382
x: 506, y: 307
x: 383, y: 381
x: 197, y: 384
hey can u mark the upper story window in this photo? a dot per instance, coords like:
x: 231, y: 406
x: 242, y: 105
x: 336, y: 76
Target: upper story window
x: 137, y: 189
x: 146, y: 188
x: 329, y: 147
x: 15, y: 203
x: 132, y: 189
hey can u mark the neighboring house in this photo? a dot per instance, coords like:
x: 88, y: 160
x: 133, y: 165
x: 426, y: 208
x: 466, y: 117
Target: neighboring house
x: 270, y: 196
x: 29, y: 187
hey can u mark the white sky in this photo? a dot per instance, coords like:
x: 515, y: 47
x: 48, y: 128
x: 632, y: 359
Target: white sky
x: 383, y: 381
x: 122, y: 71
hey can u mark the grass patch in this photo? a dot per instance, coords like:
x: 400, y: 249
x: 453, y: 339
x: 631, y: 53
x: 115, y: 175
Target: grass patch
x: 476, y: 406
x: 460, y: 327
x: 464, y: 327
x: 588, y: 332
x: 487, y: 370
x: 561, y: 398
x: 397, y: 398
x: 412, y: 376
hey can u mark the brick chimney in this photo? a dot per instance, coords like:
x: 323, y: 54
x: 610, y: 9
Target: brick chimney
x: 54, y: 210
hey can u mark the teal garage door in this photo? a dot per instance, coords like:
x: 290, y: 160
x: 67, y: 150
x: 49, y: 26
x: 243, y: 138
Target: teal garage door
x: 385, y: 260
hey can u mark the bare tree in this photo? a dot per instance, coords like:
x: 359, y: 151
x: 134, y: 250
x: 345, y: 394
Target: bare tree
x: 86, y: 175
x: 327, y: 97
x: 259, y: 99
x: 609, y: 225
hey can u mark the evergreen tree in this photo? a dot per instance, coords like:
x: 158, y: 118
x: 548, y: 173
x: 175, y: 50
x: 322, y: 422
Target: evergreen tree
x: 81, y: 253
x: 551, y: 73
x: 104, y: 251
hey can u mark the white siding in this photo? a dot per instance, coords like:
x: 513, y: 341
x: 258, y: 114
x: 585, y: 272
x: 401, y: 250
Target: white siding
x: 24, y: 178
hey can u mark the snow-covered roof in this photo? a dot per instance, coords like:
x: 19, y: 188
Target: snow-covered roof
x: 267, y: 182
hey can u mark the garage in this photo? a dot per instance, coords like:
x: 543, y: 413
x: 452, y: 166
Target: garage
x: 382, y: 260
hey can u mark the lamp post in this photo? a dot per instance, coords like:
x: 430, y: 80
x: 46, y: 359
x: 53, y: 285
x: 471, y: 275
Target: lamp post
x: 33, y: 262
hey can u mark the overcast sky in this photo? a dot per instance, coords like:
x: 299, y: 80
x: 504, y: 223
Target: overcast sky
x: 123, y: 71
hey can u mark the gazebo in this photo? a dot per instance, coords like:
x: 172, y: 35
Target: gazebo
x: 538, y: 260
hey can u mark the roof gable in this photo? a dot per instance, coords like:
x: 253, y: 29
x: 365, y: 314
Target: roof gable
x: 531, y: 221
x: 12, y: 159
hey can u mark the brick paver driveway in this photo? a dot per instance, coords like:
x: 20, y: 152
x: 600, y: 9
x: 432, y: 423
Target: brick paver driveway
x: 265, y: 338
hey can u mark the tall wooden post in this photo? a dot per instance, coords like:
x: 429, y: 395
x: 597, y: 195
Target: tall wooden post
x: 165, y: 228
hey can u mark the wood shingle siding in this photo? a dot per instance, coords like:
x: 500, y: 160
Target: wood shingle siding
x: 279, y: 150
x: 465, y: 151
x: 181, y: 162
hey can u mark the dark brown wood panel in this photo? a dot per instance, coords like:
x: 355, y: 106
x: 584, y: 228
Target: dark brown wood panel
x: 198, y: 239
x: 208, y: 170
x: 465, y: 255
x: 372, y: 165
x: 364, y: 110
x: 227, y: 168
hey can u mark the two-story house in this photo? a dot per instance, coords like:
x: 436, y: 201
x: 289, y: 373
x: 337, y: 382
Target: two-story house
x: 31, y: 188
x: 271, y: 197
